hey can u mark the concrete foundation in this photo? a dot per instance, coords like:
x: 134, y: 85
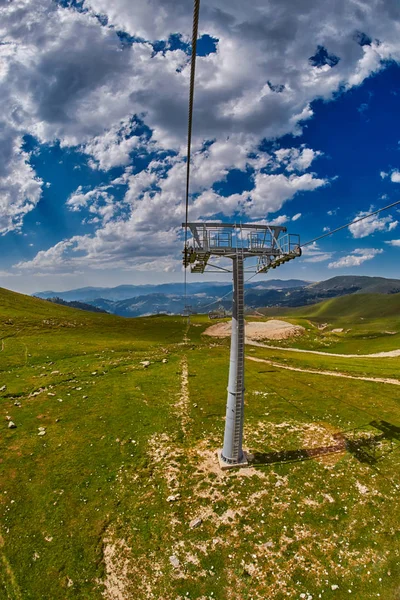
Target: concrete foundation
x: 224, y: 466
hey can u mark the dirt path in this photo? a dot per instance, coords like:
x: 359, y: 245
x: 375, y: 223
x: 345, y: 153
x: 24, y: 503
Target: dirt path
x: 329, y: 373
x: 389, y: 354
x: 182, y: 406
x: 10, y: 573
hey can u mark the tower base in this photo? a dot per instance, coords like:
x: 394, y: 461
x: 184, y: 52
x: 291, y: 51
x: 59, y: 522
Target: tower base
x: 224, y: 466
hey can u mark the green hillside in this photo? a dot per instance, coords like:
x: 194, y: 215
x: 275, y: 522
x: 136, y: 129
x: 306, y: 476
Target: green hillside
x: 359, y: 306
x: 109, y: 485
x: 347, y: 308
x: 347, y: 284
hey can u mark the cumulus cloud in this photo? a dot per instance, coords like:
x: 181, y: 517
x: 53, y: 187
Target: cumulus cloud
x: 100, y: 203
x: 296, y: 159
x: 371, y: 224
x: 395, y: 176
x: 356, y: 258
x: 313, y: 254
x: 20, y: 188
x: 66, y: 77
x: 272, y: 191
x: 155, y: 209
x: 113, y: 149
x: 395, y: 243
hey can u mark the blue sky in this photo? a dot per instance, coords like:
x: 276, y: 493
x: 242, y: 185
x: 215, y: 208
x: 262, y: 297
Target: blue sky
x: 296, y: 122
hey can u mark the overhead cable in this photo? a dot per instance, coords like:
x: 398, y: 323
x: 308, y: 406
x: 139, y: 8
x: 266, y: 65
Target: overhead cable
x: 196, y: 12
x: 375, y: 212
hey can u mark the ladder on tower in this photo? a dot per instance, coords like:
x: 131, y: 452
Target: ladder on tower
x: 240, y: 359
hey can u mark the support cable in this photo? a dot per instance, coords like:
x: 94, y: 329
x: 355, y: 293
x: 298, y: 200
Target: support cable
x: 196, y: 11
x: 375, y: 212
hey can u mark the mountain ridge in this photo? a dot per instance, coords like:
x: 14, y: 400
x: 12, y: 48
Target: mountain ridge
x: 204, y: 296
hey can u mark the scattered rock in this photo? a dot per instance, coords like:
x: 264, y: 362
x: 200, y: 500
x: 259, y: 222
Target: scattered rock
x: 334, y: 587
x: 339, y: 330
x: 174, y: 561
x: 145, y: 363
x: 42, y: 431
x: 48, y: 538
x: 164, y: 360
x: 11, y: 425
x: 3, y: 388
x: 94, y: 373
x: 39, y: 391
x: 173, y: 498
x: 50, y: 394
x: 195, y: 523
x: 55, y: 373
x: 8, y: 418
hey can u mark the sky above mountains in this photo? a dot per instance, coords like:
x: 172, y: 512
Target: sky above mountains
x: 296, y: 122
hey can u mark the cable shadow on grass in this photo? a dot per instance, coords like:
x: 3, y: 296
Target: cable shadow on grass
x: 365, y: 448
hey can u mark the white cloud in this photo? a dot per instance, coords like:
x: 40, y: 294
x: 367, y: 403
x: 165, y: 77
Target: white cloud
x: 98, y: 201
x: 313, y: 254
x: 20, y: 188
x: 371, y: 225
x: 113, y: 148
x: 395, y: 243
x: 356, y: 258
x: 281, y: 220
x: 272, y: 191
x: 296, y: 159
x: 395, y: 176
x: 66, y: 78
x: 383, y: 174
x: 296, y: 217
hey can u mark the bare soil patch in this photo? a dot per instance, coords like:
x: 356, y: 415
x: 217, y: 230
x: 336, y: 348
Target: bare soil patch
x: 273, y: 329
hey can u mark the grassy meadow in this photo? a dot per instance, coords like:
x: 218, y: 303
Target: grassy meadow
x: 121, y: 497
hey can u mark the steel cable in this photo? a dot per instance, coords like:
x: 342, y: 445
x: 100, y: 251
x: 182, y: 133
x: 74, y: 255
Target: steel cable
x: 375, y: 212
x: 196, y: 12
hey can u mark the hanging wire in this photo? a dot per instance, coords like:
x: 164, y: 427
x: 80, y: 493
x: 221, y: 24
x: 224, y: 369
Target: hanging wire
x: 320, y: 237
x: 196, y: 11
x: 375, y: 212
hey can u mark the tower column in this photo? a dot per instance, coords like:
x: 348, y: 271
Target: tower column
x: 232, y: 453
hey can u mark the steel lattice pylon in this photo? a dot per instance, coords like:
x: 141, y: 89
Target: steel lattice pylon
x: 272, y: 246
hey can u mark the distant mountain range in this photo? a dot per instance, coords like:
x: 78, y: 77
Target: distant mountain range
x: 125, y: 292
x: 76, y: 304
x: 137, y: 300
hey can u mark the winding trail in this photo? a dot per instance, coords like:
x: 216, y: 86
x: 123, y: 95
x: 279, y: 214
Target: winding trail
x: 389, y: 354
x: 329, y: 373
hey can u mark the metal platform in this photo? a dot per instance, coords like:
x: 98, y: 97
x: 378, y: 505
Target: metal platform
x: 272, y: 245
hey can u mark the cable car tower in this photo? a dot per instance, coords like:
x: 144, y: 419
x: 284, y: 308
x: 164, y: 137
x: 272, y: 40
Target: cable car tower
x: 272, y: 246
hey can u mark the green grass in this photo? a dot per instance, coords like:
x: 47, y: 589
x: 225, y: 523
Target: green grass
x: 90, y: 497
